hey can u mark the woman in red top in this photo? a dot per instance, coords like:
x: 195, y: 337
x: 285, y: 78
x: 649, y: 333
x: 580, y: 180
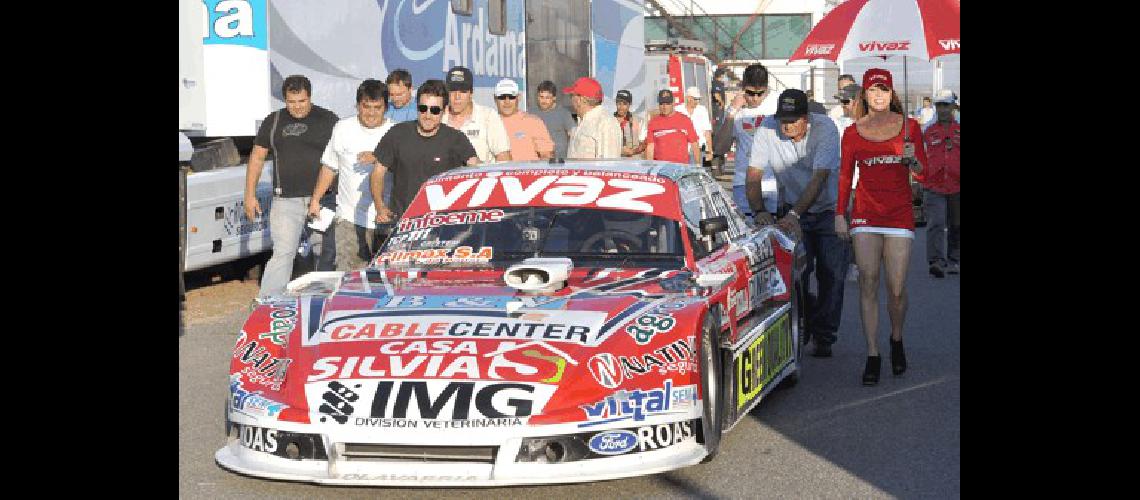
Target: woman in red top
x: 882, y: 220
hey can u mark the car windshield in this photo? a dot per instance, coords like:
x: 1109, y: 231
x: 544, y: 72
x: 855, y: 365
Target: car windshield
x: 488, y: 237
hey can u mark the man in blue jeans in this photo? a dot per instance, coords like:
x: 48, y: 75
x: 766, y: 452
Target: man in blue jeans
x: 296, y: 135
x: 802, y: 150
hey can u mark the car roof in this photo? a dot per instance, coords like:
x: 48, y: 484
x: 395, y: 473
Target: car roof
x: 668, y: 170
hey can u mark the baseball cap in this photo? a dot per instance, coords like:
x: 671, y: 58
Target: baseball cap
x: 624, y: 95
x: 849, y: 92
x: 693, y: 92
x: 459, y: 78
x: 793, y: 103
x: 875, y: 76
x: 506, y: 86
x: 945, y: 96
x: 665, y: 96
x: 585, y: 87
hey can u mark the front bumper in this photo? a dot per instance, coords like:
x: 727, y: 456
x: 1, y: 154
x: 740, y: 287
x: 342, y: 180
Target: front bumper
x: 503, y: 471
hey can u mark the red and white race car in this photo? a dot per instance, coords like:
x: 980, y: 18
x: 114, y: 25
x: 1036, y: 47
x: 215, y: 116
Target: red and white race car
x: 523, y: 324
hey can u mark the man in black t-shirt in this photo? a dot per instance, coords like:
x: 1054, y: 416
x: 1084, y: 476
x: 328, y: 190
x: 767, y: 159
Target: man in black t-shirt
x: 297, y: 135
x: 414, y: 151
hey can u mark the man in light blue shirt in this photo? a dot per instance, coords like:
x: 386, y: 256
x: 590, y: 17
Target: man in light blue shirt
x: 400, y: 105
x: 745, y: 122
x: 802, y: 150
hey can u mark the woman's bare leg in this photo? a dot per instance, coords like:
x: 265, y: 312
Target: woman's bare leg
x: 896, y: 257
x: 868, y: 256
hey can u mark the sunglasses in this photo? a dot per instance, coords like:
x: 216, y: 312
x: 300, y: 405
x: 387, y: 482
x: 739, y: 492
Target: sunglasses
x: 435, y: 110
x: 756, y: 93
x: 505, y: 97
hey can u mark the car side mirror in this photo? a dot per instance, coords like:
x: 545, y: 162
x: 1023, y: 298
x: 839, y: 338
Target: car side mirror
x: 710, y: 227
x: 713, y: 225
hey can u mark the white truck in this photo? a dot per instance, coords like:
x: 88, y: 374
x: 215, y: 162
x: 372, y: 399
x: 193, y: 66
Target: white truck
x: 233, y: 55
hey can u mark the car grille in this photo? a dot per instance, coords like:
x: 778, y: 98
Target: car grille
x: 361, y: 452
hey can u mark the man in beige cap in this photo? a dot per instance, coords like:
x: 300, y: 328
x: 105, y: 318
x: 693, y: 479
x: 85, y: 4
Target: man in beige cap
x: 598, y: 134
x: 700, y: 116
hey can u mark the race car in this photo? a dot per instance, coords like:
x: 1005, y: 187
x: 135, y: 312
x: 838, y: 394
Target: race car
x: 523, y: 324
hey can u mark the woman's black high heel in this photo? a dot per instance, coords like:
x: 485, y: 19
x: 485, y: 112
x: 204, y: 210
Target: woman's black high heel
x: 898, y: 357
x: 871, y: 372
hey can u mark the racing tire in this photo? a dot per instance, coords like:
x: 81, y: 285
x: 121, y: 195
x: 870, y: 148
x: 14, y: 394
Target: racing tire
x: 712, y: 394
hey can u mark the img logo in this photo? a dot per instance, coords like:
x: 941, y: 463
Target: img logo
x: 613, y: 442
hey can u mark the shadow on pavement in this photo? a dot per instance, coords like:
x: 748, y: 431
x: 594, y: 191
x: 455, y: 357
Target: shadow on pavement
x: 903, y: 435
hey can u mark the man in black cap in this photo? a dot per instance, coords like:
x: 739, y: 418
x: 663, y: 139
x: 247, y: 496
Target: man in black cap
x: 630, y: 126
x: 482, y: 125
x: 802, y: 151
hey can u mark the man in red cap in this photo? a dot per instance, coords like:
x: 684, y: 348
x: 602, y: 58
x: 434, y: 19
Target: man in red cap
x: 598, y: 134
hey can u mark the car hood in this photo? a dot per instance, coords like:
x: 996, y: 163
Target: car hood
x: 463, y: 345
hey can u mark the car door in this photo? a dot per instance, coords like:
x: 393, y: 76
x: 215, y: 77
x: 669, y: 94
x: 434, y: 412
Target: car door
x: 703, y: 198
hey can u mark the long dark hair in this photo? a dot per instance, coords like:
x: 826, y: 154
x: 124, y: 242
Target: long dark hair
x: 861, y: 107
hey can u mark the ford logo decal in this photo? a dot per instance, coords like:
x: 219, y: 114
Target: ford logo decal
x: 613, y: 442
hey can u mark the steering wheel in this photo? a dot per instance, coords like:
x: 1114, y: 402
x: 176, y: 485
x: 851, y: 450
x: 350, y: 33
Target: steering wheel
x: 609, y: 236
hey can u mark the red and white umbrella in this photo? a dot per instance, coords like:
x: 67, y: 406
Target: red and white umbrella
x: 924, y: 29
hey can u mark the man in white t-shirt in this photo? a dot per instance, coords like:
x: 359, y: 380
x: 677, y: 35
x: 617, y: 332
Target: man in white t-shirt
x: 482, y: 125
x: 349, y: 157
x: 699, y: 114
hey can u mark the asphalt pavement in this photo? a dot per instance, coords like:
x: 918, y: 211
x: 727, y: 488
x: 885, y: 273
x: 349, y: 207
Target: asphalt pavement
x: 827, y: 437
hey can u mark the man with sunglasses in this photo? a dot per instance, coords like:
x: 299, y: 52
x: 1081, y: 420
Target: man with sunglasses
x: 837, y: 111
x: 481, y: 124
x: 411, y: 152
x: 745, y: 122
x: 529, y: 138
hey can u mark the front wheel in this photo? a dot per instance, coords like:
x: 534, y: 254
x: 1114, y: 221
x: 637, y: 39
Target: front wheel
x: 712, y: 417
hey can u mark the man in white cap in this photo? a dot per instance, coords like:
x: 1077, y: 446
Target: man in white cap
x: 529, y: 138
x: 941, y: 183
x: 700, y: 116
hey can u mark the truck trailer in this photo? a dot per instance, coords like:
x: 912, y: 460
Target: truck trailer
x: 234, y: 54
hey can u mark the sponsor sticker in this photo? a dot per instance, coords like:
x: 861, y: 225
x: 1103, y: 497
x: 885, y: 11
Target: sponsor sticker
x: 427, y: 404
x: 531, y: 361
x: 762, y: 360
x: 610, y: 371
x: 590, y: 190
x: 261, y: 367
x: 463, y: 254
x: 613, y: 442
x: 281, y: 322
x: 245, y: 401
x: 638, y: 404
x: 579, y: 327
x: 259, y: 438
x: 432, y: 219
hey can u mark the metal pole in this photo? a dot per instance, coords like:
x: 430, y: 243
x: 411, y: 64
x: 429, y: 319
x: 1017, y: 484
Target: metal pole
x: 906, y: 103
